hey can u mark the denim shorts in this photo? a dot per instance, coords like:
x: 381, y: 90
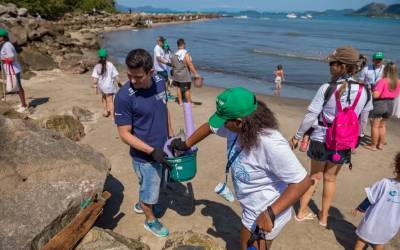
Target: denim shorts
x: 149, y: 175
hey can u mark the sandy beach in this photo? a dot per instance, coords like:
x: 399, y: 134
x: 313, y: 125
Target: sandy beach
x: 54, y: 92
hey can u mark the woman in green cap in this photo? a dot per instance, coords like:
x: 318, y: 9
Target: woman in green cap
x: 267, y: 177
x: 105, y: 79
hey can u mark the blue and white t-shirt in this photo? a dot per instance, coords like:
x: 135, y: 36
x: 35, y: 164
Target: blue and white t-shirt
x: 146, y: 111
x: 371, y: 75
x: 261, y: 175
x: 382, y: 219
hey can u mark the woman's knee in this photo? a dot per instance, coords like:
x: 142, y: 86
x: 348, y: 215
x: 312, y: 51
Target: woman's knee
x: 329, y: 177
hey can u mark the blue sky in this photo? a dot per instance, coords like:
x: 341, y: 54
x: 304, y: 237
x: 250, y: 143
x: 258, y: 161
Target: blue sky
x: 262, y: 5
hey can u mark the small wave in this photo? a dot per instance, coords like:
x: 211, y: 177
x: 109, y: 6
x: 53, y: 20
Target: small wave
x: 295, y: 34
x: 265, y: 18
x: 289, y: 55
x: 241, y: 17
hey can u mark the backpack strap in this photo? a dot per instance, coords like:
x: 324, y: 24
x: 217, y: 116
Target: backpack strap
x: 329, y: 92
x: 360, y: 89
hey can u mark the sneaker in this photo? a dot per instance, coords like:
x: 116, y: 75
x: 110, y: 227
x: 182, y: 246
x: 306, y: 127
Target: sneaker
x: 156, y: 209
x: 156, y: 228
x: 137, y: 208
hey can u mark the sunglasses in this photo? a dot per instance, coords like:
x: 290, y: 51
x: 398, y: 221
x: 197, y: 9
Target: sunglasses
x: 334, y: 63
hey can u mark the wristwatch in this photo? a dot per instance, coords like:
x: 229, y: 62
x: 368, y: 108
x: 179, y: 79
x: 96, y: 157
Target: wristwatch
x: 271, y: 215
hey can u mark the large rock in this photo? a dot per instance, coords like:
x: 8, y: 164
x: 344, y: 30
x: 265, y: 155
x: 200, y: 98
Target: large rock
x: 66, y: 125
x: 43, y: 180
x: 104, y: 239
x: 36, y: 60
x: 3, y: 10
x: 190, y: 241
x: 82, y: 114
x: 12, y: 9
x: 19, y: 34
x: 22, y: 12
x: 8, y: 111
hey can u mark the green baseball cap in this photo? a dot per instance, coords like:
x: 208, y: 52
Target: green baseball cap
x: 233, y: 103
x: 102, y: 53
x: 3, y: 32
x: 378, y: 55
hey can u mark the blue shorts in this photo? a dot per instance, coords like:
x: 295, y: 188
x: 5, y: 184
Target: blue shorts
x: 149, y: 174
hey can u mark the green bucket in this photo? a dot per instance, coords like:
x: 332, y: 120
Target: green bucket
x: 183, y: 167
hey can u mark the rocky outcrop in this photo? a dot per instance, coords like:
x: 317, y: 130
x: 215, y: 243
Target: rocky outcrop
x: 379, y: 9
x: 82, y: 114
x: 104, y: 239
x: 36, y: 60
x: 190, y: 240
x: 66, y: 125
x: 44, y: 179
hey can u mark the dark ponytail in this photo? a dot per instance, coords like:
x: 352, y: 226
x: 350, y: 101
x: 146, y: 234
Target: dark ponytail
x: 103, y: 62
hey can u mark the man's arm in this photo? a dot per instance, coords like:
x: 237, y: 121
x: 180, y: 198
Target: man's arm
x: 190, y: 65
x: 160, y: 59
x: 130, y: 139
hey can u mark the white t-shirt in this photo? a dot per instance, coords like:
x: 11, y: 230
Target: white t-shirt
x: 106, y: 82
x: 261, y: 175
x: 371, y: 75
x: 382, y: 219
x: 8, y: 51
x: 329, y: 110
x: 159, y: 52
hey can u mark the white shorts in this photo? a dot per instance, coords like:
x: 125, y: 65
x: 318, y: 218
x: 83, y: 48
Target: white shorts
x: 278, y: 79
x: 280, y: 223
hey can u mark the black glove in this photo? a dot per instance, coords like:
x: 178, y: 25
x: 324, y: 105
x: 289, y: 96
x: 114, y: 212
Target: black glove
x: 159, y: 156
x: 178, y: 144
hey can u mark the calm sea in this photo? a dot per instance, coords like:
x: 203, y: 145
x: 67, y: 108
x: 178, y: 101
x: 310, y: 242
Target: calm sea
x: 245, y: 51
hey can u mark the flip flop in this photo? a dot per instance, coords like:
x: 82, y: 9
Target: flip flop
x: 323, y: 224
x: 309, y: 216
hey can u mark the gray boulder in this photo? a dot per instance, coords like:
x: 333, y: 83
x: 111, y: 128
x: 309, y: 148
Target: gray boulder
x: 36, y: 60
x: 105, y: 239
x: 82, y: 114
x: 43, y: 180
x: 190, y: 241
x: 12, y: 9
x: 3, y: 10
x: 22, y: 12
x: 19, y: 34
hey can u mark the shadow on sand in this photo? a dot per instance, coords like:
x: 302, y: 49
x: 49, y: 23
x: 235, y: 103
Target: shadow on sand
x: 111, y: 215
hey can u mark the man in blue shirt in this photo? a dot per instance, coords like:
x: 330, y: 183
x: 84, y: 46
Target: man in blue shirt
x: 142, y: 118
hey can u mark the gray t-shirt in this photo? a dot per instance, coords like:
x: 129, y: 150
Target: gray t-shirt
x: 382, y: 219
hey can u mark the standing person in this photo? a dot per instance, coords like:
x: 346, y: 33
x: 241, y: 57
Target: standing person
x: 385, y: 92
x: 105, y: 77
x: 342, y: 93
x: 160, y: 62
x: 183, y: 68
x: 142, y: 118
x: 373, y: 73
x: 167, y: 57
x: 382, y: 207
x: 9, y: 59
x: 279, y: 78
x: 267, y: 177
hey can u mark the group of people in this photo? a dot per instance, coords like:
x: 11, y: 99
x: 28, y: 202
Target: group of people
x: 267, y: 177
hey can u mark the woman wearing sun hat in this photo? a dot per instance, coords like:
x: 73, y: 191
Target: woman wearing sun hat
x: 267, y: 177
x: 105, y: 77
x: 326, y: 163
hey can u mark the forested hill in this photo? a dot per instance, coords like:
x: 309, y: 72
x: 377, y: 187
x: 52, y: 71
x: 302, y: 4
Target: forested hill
x: 52, y: 9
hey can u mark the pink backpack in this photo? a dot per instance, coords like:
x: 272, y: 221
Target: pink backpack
x: 345, y: 128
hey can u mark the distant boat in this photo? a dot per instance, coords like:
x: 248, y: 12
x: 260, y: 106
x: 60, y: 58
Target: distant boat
x: 241, y: 17
x: 304, y: 17
x: 291, y: 15
x: 309, y: 16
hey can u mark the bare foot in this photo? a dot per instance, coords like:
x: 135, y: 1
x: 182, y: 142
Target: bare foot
x: 370, y: 147
x: 322, y: 222
x: 380, y: 146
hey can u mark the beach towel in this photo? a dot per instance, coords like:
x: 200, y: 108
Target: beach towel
x: 396, y: 107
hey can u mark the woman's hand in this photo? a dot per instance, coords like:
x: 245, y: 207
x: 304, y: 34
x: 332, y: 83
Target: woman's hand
x: 355, y: 212
x: 293, y: 143
x: 264, y: 222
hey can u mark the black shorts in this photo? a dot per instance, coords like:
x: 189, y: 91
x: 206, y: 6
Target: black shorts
x: 182, y: 85
x: 317, y: 151
x: 382, y: 109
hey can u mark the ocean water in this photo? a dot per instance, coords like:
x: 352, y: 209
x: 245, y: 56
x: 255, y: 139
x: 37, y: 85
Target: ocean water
x: 245, y: 51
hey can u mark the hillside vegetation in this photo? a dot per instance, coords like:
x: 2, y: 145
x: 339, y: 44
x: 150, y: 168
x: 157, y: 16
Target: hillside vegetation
x: 53, y: 9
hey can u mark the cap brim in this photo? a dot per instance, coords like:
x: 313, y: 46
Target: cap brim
x: 215, y: 121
